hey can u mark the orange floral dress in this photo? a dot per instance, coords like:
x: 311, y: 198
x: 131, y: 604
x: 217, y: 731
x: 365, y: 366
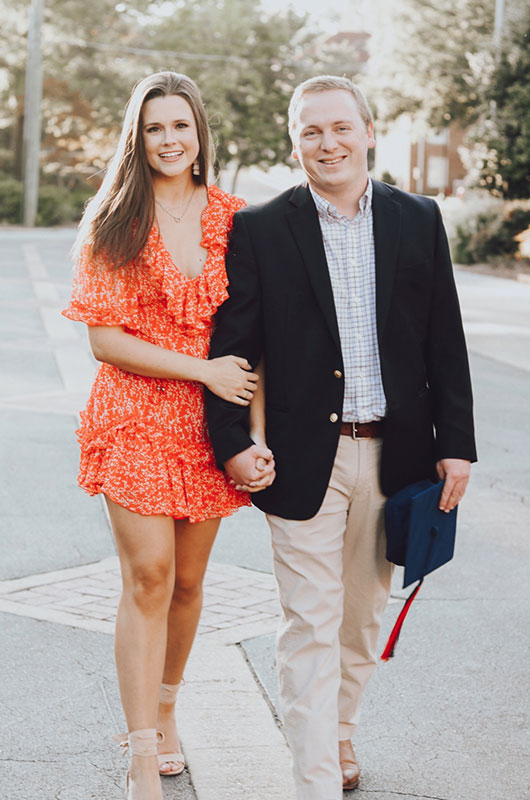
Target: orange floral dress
x: 144, y: 441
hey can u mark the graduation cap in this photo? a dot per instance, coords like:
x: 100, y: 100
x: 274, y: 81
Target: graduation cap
x: 419, y: 537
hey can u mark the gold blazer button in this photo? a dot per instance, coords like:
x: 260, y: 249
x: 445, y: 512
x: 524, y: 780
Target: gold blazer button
x: 333, y: 417
x: 337, y: 373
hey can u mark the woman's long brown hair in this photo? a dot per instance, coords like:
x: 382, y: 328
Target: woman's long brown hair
x: 117, y: 221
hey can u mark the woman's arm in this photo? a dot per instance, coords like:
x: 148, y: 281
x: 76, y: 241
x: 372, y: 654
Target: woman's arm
x: 257, y: 408
x: 229, y: 377
x: 257, y: 433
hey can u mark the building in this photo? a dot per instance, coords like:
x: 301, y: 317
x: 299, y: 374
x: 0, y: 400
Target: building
x: 428, y: 164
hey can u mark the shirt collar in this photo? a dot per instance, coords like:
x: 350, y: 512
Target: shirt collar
x: 328, y: 211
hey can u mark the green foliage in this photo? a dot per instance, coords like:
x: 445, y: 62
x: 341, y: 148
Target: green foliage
x: 503, y: 135
x: 248, y: 66
x: 387, y: 177
x: 245, y: 60
x: 489, y: 234
x: 57, y: 205
x: 431, y: 52
x: 10, y: 200
x: 448, y: 69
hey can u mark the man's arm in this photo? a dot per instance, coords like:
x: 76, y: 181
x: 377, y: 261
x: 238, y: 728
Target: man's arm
x: 238, y: 328
x: 449, y: 379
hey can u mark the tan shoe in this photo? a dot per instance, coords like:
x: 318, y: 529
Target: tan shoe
x: 170, y: 763
x: 139, y: 743
x: 349, y: 765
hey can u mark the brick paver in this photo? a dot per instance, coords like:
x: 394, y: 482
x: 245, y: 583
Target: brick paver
x: 233, y: 596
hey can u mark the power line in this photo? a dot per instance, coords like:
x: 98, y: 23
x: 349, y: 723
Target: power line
x: 304, y: 62
x: 142, y: 51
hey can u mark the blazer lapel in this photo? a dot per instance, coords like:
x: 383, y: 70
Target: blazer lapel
x: 387, y: 229
x: 305, y: 227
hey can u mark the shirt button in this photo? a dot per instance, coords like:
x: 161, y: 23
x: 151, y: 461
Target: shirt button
x: 333, y: 417
x: 337, y: 373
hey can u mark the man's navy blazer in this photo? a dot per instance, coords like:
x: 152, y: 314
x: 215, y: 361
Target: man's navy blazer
x: 281, y: 307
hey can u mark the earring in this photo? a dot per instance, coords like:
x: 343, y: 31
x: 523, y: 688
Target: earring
x: 196, y: 169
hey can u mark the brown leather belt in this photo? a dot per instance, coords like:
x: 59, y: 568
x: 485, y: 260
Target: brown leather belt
x: 363, y: 430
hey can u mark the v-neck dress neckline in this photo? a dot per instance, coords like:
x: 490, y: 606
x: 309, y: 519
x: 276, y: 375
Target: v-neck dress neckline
x: 204, y: 215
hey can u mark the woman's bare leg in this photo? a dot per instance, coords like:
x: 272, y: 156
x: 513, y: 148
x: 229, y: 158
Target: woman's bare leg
x: 146, y: 550
x: 193, y: 544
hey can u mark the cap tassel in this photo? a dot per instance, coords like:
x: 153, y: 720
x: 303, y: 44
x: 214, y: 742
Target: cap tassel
x: 388, y: 652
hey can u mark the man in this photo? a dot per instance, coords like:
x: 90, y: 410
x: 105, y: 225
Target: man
x: 344, y: 288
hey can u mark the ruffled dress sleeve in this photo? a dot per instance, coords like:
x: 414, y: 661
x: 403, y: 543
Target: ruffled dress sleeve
x: 102, y: 295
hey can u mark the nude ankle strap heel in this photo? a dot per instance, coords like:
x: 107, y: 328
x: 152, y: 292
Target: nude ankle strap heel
x: 168, y: 696
x: 143, y: 742
x: 169, y: 691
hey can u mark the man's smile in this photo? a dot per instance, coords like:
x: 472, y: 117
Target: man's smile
x: 332, y: 161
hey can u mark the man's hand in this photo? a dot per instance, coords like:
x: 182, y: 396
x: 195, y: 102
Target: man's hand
x: 252, y: 470
x: 455, y: 473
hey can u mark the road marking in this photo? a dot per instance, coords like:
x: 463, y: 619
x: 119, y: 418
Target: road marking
x: 36, y: 268
x: 75, y: 365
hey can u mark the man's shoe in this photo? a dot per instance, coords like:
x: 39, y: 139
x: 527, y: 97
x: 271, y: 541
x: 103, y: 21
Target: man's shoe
x: 349, y: 765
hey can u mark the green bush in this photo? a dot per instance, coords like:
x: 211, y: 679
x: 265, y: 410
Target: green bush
x: 53, y: 207
x: 10, y: 200
x: 387, y: 177
x: 490, y: 234
x: 57, y: 205
x: 517, y: 219
x: 461, y: 245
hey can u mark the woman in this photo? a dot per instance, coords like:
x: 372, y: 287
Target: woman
x: 149, y: 276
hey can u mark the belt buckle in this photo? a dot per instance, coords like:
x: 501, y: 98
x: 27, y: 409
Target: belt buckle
x: 354, y: 433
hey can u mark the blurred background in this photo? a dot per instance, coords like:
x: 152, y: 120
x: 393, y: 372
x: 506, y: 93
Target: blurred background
x: 448, y: 80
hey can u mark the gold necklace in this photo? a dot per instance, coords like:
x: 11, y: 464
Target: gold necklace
x: 177, y: 219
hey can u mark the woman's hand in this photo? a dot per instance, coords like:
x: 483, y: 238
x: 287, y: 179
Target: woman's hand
x: 230, y: 377
x: 251, y: 470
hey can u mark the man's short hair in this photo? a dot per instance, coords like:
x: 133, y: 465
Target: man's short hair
x: 323, y: 83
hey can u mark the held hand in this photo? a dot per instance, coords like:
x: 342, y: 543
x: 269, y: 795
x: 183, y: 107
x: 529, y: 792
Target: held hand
x: 230, y: 377
x: 268, y: 475
x: 455, y: 474
x: 252, y: 470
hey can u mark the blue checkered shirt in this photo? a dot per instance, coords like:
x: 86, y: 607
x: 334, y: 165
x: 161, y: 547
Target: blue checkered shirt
x: 350, y: 253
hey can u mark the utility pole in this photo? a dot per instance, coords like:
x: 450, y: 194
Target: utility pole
x: 32, y: 113
x: 499, y: 21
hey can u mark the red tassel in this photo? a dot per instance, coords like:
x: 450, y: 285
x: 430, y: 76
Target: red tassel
x: 388, y: 652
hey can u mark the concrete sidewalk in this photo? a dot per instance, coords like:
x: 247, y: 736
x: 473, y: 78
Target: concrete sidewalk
x: 447, y: 719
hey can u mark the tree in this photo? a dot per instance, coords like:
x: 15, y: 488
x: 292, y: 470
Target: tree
x: 430, y: 74
x: 446, y: 68
x: 12, y: 70
x: 82, y: 94
x: 245, y: 63
x: 502, y: 134
x: 245, y: 60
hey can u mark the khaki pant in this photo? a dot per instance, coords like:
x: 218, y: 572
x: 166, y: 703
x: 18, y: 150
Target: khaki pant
x: 334, y: 583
